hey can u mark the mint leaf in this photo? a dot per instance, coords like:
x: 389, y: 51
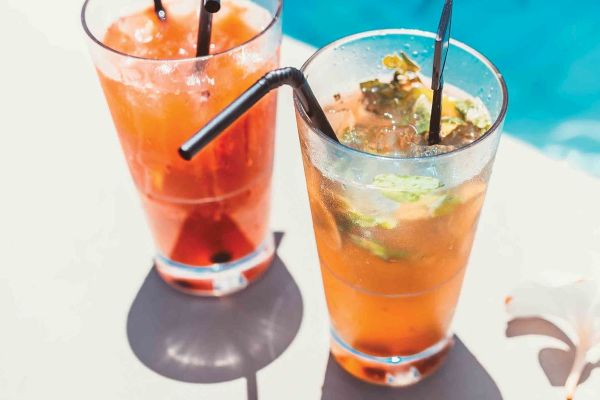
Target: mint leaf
x: 378, y: 249
x: 404, y: 188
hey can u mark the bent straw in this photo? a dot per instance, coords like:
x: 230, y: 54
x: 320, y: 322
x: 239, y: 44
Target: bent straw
x: 272, y: 80
x: 442, y: 42
x: 160, y: 10
x: 207, y: 9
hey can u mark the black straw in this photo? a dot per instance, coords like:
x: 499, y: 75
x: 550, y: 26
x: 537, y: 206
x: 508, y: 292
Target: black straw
x: 160, y: 10
x: 207, y: 9
x: 442, y: 42
x: 212, y: 6
x: 272, y: 80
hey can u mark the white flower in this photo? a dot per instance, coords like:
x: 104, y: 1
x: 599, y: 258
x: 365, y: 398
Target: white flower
x: 573, y: 305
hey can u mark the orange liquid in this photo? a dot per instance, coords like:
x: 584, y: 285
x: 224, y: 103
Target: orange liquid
x: 214, y: 208
x: 392, y: 307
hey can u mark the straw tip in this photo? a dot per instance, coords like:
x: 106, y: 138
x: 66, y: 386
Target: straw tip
x: 185, y: 154
x: 212, y: 6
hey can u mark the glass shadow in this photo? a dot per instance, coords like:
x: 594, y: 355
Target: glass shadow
x: 209, y: 340
x: 461, y: 377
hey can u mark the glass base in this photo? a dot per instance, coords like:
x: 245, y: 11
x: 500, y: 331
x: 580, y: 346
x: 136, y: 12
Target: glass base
x: 217, y: 279
x: 396, y: 371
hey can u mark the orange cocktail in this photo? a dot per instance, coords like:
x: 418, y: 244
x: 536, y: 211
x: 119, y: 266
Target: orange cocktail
x: 209, y: 217
x: 395, y: 218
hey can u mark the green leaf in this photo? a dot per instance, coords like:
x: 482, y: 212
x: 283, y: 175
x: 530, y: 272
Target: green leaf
x: 404, y: 188
x: 377, y: 249
x: 422, y: 114
x: 474, y: 111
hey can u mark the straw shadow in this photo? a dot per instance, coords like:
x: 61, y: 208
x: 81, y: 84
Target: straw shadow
x: 556, y: 363
x: 209, y: 340
x: 461, y: 377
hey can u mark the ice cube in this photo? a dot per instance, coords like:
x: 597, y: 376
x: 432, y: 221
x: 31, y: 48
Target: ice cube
x: 138, y: 27
x: 462, y: 135
x: 145, y: 34
x: 412, y: 212
x: 394, y: 139
x: 356, y: 137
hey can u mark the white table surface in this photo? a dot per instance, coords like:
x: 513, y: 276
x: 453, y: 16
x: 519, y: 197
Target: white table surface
x: 77, y: 292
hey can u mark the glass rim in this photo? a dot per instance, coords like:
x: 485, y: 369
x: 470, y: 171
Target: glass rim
x: 275, y: 17
x: 416, y: 32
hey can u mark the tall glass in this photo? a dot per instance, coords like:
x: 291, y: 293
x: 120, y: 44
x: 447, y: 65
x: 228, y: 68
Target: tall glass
x: 392, y: 275
x: 210, y: 216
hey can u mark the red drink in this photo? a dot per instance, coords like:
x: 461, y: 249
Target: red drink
x: 209, y: 216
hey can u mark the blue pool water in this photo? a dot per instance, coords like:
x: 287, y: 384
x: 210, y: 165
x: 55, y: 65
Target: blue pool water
x: 548, y: 50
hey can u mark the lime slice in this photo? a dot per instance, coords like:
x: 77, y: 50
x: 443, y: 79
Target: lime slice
x: 405, y: 188
x: 369, y: 221
x: 449, y: 124
x: 377, y: 249
x: 422, y: 114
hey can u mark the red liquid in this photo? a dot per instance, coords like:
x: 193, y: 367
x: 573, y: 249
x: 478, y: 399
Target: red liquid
x: 214, y: 208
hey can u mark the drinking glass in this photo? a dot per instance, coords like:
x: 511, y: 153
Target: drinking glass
x: 210, y: 216
x: 392, y: 273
